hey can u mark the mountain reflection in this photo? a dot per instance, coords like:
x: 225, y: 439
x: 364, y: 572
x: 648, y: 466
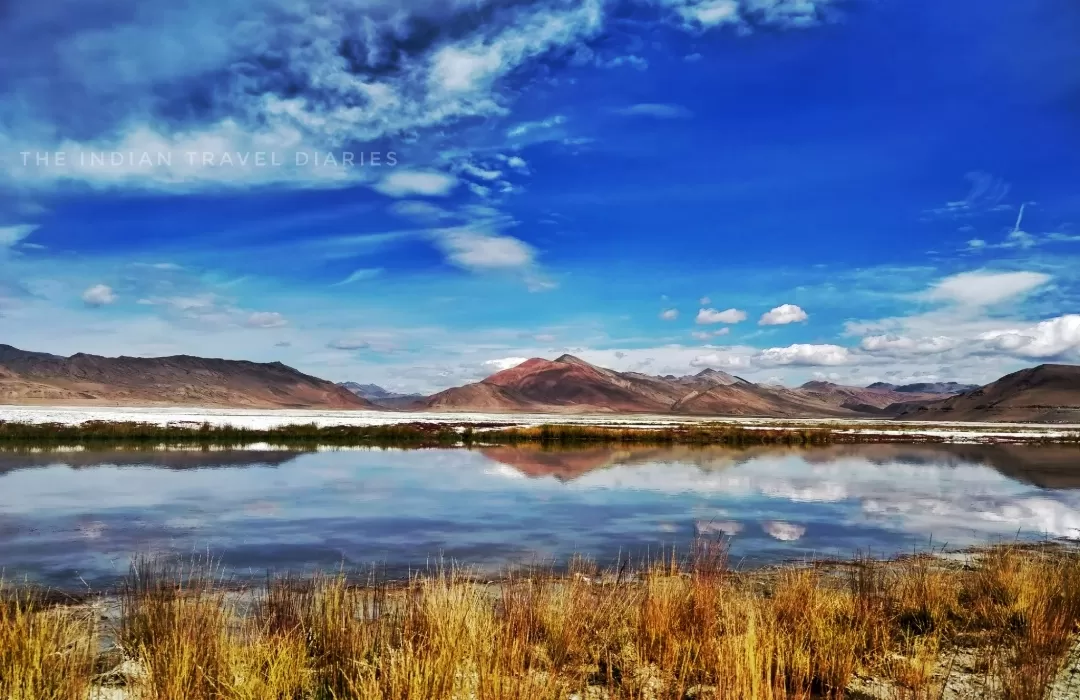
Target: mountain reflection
x: 12, y: 460
x: 66, y: 516
x: 1044, y: 466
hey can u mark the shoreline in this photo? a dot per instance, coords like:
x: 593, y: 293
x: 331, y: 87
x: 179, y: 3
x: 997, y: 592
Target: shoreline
x: 265, y: 421
x: 487, y: 432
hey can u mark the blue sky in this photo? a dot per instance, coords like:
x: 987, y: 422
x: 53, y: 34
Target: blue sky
x: 785, y: 189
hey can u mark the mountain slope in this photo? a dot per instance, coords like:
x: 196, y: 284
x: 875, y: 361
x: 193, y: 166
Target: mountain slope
x: 569, y: 383
x: 746, y: 399
x: 1043, y: 394
x: 33, y: 377
x: 925, y: 387
x: 871, y: 399
x: 381, y: 397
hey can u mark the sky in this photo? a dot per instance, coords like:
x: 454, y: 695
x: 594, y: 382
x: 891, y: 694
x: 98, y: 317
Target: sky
x: 417, y: 193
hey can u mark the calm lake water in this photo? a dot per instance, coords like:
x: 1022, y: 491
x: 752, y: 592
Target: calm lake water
x: 74, y: 517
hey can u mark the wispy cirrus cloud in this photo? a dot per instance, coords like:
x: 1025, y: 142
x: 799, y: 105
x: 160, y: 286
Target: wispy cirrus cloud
x: 233, y: 77
x: 986, y: 193
x: 408, y: 183
x: 11, y: 235
x: 655, y: 110
x: 984, y: 288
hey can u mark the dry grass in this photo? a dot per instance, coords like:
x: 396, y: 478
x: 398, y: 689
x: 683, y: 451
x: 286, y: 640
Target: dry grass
x: 686, y: 628
x: 46, y: 652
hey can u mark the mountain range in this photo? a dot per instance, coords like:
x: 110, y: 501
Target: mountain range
x: 382, y: 397
x: 568, y: 384
x: 926, y: 387
x: 1043, y: 394
x: 41, y: 378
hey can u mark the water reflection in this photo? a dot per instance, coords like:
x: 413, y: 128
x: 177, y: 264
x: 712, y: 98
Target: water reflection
x: 67, y: 517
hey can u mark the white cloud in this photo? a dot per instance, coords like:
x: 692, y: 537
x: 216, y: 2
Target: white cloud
x: 785, y: 532
x: 225, y: 153
x: 10, y: 235
x: 349, y: 344
x: 783, y: 315
x: 656, y: 110
x: 707, y: 335
x: 669, y: 314
x: 407, y: 183
x: 525, y: 129
x: 479, y: 190
x: 804, y: 355
x: 99, y: 295
x: 704, y: 301
x: 708, y: 316
x: 480, y: 173
x: 420, y: 211
x: 705, y: 14
x: 898, y: 345
x: 364, y: 273
x: 718, y: 360
x: 1049, y: 339
x: 517, y: 163
x: 480, y: 251
x: 503, y: 363
x: 357, y: 85
x: 266, y: 319
x: 983, y: 288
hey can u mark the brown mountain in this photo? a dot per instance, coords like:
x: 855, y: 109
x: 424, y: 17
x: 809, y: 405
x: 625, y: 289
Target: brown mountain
x: 41, y: 378
x: 565, y: 384
x: 872, y: 399
x: 746, y: 399
x: 1043, y: 394
x: 569, y: 384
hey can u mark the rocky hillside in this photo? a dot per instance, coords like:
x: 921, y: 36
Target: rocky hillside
x: 41, y: 378
x: 926, y: 387
x: 1043, y: 394
x: 570, y: 384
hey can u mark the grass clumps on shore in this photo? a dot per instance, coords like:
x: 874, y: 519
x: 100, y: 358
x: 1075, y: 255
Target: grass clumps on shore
x: 920, y: 627
x: 46, y: 652
x: 571, y: 435
x: 122, y: 434
x: 101, y: 434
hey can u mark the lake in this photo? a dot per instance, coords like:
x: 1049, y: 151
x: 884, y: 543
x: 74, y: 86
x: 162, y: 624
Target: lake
x: 75, y: 518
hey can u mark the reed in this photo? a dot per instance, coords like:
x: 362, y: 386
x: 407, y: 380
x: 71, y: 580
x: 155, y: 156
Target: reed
x: 46, y: 652
x: 679, y: 627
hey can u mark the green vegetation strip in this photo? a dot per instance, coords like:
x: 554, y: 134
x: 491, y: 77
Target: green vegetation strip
x: 131, y: 434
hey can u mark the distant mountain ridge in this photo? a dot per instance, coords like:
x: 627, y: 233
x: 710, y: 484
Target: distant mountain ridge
x: 570, y: 384
x: 1044, y: 394
x: 382, y: 397
x: 926, y: 387
x: 41, y: 378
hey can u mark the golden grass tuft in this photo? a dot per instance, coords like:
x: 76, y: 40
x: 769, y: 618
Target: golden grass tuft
x: 678, y: 628
x: 46, y: 652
